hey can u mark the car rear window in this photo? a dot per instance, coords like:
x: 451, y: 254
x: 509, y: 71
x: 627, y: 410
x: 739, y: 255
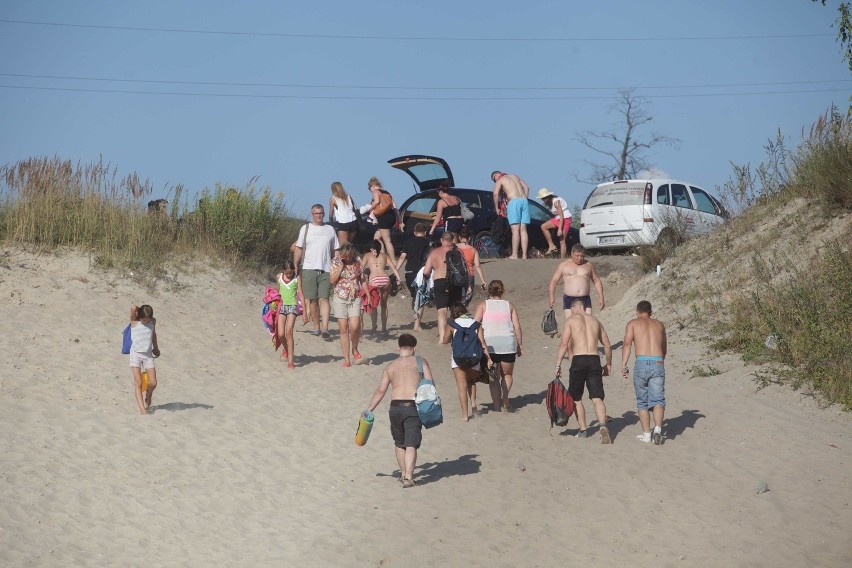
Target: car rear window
x: 616, y: 194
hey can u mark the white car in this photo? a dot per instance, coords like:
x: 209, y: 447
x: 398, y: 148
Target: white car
x: 628, y: 213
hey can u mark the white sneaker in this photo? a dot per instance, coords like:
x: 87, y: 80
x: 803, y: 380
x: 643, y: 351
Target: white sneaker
x: 644, y: 438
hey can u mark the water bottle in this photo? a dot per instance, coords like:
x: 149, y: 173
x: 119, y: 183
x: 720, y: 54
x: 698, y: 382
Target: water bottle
x: 365, y: 424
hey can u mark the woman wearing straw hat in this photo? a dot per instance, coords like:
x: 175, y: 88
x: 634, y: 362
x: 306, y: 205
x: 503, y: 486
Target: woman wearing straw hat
x: 561, y: 221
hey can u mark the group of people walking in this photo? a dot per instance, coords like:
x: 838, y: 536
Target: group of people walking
x: 501, y: 337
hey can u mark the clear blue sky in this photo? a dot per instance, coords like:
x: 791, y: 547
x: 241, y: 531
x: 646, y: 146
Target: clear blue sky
x: 392, y: 78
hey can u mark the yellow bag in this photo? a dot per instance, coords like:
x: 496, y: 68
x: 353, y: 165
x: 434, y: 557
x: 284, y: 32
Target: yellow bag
x: 144, y: 381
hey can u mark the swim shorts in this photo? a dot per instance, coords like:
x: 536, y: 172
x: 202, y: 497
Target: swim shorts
x: 518, y: 211
x: 444, y: 296
x: 585, y: 371
x: 503, y: 357
x: 568, y: 300
x: 405, y: 424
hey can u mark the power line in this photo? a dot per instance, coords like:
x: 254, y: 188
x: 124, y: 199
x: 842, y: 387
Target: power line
x: 414, y: 38
x: 418, y: 88
x: 377, y: 98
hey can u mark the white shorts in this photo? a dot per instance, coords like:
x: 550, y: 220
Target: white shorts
x: 344, y: 309
x: 144, y: 361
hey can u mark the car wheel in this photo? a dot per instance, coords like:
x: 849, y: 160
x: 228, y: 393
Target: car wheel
x: 668, y: 239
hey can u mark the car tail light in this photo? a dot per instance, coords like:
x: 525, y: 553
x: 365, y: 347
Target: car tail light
x: 648, y: 219
x: 649, y: 188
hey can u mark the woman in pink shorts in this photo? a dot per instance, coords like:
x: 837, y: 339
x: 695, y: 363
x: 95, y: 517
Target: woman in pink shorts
x: 561, y: 221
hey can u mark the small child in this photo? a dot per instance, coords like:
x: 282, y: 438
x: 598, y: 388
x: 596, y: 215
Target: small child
x: 289, y: 287
x: 143, y: 349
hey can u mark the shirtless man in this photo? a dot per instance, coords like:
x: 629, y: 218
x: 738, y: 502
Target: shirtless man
x: 518, y: 210
x: 577, y: 275
x: 582, y: 333
x: 443, y: 294
x: 403, y: 378
x: 649, y: 374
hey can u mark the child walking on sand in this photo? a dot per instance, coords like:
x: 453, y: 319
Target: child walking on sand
x: 376, y: 262
x: 288, y: 287
x: 143, y: 349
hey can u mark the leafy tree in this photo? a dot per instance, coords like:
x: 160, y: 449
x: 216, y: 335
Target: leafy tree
x: 844, y: 29
x: 624, y: 152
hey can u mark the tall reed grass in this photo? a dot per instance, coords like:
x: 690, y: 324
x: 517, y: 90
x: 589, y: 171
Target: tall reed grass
x: 51, y: 203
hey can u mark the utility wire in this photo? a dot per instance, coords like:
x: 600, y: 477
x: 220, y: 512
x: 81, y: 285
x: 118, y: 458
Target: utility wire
x: 418, y: 88
x: 376, y: 98
x: 414, y: 38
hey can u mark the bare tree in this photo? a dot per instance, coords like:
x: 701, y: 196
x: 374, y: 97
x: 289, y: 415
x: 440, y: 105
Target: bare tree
x: 624, y: 151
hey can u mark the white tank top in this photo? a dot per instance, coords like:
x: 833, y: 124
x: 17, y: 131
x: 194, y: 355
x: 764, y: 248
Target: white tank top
x: 141, y: 337
x: 498, y: 328
x: 343, y: 210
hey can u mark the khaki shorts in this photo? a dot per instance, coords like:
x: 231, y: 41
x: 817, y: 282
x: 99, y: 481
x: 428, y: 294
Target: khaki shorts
x: 315, y: 284
x: 343, y: 309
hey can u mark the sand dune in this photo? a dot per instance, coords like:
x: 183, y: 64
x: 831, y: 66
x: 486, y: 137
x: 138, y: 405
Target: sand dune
x: 246, y: 463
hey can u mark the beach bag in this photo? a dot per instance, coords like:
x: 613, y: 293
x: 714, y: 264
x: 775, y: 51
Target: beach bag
x: 467, y: 349
x: 501, y: 232
x: 466, y: 213
x: 457, y: 276
x: 427, y: 400
x: 559, y: 403
x: 126, y: 341
x: 385, y: 202
x: 486, y: 247
x: 548, y: 323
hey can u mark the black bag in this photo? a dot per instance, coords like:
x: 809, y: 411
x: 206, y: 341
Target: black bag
x: 457, y: 276
x: 501, y: 232
x: 548, y: 323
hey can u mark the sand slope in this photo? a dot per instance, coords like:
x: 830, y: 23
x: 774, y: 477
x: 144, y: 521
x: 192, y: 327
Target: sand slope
x: 244, y: 463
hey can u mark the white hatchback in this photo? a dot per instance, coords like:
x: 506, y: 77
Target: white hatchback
x: 628, y: 213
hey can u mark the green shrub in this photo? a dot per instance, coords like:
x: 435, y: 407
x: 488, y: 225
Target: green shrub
x: 823, y: 167
x: 50, y: 203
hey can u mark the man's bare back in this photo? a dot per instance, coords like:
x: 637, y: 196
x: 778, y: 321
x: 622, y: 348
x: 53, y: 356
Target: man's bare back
x: 404, y: 377
x: 585, y: 332
x: 436, y: 262
x: 648, y: 336
x: 512, y: 185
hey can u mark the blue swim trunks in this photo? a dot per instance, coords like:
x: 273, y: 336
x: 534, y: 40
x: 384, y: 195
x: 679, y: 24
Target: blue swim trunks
x: 518, y: 211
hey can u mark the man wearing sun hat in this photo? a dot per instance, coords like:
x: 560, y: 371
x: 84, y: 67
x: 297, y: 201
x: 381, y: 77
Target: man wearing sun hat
x: 561, y: 221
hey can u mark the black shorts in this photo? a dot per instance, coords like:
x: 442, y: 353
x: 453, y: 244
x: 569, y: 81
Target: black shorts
x: 405, y: 424
x: 454, y: 225
x: 444, y: 295
x: 350, y: 227
x: 387, y: 219
x: 503, y: 357
x: 586, y: 371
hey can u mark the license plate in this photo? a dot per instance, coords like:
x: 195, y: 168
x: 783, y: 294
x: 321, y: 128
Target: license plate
x: 614, y: 240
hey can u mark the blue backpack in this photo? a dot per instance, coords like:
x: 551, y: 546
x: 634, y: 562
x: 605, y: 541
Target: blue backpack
x: 467, y: 350
x: 126, y: 341
x: 427, y: 400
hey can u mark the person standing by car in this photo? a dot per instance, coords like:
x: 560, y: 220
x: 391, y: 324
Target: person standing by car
x: 449, y: 209
x: 561, y: 221
x: 384, y: 208
x: 342, y: 213
x: 517, y: 211
x: 314, y: 249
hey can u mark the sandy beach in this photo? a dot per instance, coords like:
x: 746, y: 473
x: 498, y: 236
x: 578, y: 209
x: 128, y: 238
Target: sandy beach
x: 243, y: 462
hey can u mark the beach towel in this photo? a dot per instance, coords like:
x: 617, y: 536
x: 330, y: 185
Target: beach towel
x: 370, y: 298
x: 423, y: 296
x: 269, y: 313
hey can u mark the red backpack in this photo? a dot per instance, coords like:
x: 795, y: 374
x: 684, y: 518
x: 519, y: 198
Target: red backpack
x: 560, y: 404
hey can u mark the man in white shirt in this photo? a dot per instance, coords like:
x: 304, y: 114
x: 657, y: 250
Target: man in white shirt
x: 316, y: 245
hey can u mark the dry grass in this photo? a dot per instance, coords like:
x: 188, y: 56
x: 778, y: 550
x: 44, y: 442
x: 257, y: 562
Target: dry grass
x: 50, y: 203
